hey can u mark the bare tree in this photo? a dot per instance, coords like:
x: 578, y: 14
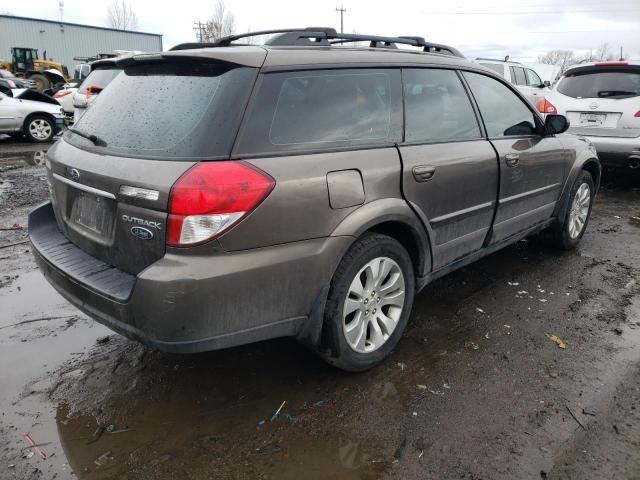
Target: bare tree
x: 221, y: 24
x: 603, y: 53
x: 120, y: 15
x: 562, y: 58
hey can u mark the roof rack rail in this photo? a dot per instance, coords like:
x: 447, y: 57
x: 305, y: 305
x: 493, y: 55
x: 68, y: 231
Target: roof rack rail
x: 324, y: 36
x: 505, y: 59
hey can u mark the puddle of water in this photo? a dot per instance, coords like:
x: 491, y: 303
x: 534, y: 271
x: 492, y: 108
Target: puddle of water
x: 30, y: 352
x: 31, y: 158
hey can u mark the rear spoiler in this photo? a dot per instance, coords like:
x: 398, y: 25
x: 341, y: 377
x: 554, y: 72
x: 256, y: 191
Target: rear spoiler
x: 241, y: 56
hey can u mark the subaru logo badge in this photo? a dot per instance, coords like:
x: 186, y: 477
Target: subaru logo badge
x: 142, y: 233
x: 74, y: 174
x: 593, y: 105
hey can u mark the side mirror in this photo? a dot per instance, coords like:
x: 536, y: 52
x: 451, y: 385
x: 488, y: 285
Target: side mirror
x: 546, y: 83
x: 555, y: 124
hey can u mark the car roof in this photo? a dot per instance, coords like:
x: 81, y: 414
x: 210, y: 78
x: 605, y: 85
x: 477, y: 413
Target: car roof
x: 286, y: 57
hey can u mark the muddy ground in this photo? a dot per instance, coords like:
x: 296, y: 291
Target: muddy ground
x: 475, y: 390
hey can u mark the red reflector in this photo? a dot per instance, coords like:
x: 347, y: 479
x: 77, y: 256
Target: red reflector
x: 611, y: 64
x: 211, y: 197
x: 545, y: 106
x: 61, y: 93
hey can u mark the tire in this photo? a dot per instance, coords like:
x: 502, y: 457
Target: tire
x: 384, y: 320
x: 41, y: 81
x: 567, y: 235
x: 39, y: 128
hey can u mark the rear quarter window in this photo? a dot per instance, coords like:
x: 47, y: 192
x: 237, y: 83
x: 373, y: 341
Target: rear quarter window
x: 307, y: 110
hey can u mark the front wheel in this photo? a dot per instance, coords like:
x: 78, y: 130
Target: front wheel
x: 39, y: 129
x: 369, y: 303
x: 569, y: 233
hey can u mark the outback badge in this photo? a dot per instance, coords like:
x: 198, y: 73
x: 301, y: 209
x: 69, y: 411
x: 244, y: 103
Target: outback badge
x: 142, y: 233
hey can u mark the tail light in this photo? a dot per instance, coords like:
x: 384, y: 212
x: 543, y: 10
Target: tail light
x: 611, y: 64
x: 211, y: 197
x: 61, y: 93
x: 637, y: 115
x: 545, y: 106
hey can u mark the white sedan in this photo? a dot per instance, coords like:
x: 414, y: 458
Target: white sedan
x: 39, y: 120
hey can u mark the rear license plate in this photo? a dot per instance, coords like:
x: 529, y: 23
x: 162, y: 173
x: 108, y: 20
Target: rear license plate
x: 592, y: 119
x: 91, y: 212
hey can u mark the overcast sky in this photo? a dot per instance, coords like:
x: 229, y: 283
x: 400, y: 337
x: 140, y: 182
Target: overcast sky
x: 521, y: 29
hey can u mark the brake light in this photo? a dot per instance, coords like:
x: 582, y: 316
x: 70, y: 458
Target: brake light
x: 61, y: 93
x: 211, y: 197
x: 637, y: 115
x: 611, y: 64
x: 545, y: 106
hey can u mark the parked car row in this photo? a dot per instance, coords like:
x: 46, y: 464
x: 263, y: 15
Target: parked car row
x: 221, y: 194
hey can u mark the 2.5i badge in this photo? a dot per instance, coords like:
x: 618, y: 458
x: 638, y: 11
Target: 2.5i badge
x: 142, y: 233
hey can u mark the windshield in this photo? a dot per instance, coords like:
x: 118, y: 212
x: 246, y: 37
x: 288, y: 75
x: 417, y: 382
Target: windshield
x: 601, y: 84
x: 170, y: 110
x: 99, y: 78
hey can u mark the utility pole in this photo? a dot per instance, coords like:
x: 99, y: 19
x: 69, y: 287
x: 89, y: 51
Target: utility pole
x: 621, y: 56
x: 199, y: 29
x: 341, y: 10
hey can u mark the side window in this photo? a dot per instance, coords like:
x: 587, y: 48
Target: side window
x: 503, y: 112
x: 520, y: 78
x: 437, y: 107
x: 533, y: 78
x: 323, y: 108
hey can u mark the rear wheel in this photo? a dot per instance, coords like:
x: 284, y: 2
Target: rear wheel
x: 369, y: 303
x: 39, y: 128
x: 569, y: 233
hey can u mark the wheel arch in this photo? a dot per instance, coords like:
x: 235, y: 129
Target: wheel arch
x: 30, y: 116
x: 589, y: 164
x: 392, y: 217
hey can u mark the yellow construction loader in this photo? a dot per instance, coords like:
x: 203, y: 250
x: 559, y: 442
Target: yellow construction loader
x: 43, y: 73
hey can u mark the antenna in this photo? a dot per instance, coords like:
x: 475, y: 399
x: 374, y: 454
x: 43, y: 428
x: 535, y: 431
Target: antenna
x: 61, y: 5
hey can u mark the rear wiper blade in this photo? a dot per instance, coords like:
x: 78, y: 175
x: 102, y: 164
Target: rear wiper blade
x: 615, y: 93
x: 91, y: 137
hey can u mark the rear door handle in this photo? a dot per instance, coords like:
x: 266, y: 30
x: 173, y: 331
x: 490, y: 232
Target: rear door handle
x: 423, y: 173
x: 512, y: 159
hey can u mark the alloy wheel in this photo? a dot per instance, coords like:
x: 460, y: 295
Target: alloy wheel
x: 373, y: 305
x: 579, y: 210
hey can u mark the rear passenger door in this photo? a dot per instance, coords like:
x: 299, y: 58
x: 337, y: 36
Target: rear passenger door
x: 450, y: 172
x: 519, y: 79
x: 532, y: 166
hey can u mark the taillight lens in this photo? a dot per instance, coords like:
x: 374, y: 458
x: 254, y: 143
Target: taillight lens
x: 61, y: 93
x: 211, y: 197
x: 637, y: 115
x: 545, y: 106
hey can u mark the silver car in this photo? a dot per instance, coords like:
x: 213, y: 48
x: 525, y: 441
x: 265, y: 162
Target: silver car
x: 602, y: 103
x: 31, y: 113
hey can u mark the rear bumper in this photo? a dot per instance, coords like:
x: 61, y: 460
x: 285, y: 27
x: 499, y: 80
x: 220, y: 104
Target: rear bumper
x: 191, y: 303
x: 617, y: 151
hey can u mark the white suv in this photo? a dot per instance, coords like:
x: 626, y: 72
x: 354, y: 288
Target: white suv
x: 524, y: 78
x: 602, y: 102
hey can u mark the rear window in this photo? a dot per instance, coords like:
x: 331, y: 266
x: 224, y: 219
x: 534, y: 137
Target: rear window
x: 498, y: 68
x: 170, y: 110
x: 99, y: 78
x: 323, y: 109
x: 601, y: 84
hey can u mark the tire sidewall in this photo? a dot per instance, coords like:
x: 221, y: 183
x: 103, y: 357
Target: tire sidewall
x: 365, y: 250
x: 27, y: 130
x: 584, y: 177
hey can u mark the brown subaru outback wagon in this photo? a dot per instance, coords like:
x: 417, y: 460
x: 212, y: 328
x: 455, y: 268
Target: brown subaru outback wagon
x: 220, y: 194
